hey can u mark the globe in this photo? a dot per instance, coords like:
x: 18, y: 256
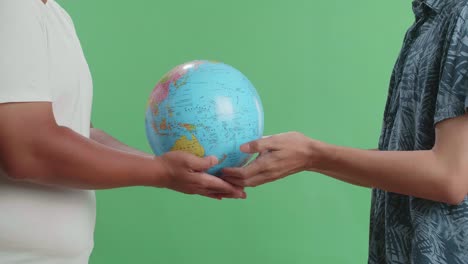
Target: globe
x: 205, y: 108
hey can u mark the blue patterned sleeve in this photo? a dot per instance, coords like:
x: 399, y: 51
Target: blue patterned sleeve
x: 452, y: 97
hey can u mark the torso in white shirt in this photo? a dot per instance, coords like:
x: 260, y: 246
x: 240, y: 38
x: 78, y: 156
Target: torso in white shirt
x: 41, y: 60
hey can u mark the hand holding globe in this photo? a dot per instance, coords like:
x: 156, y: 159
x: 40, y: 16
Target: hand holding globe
x: 185, y: 173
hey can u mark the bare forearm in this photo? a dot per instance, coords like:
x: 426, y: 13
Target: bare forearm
x: 344, y: 178
x: 107, y: 140
x: 67, y: 159
x: 416, y: 173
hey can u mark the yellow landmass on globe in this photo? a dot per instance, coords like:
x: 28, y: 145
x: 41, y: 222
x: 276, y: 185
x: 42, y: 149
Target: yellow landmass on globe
x: 190, y: 145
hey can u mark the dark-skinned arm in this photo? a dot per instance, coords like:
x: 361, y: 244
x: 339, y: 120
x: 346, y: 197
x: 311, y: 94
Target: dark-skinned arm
x: 104, y: 138
x: 34, y: 148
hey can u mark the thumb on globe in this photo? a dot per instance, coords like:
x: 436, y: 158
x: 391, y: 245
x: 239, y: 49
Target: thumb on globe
x: 257, y: 146
x: 202, y: 164
x: 210, y: 161
x: 246, y: 148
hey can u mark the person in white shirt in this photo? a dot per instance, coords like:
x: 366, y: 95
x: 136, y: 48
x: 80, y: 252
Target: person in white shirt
x: 51, y: 159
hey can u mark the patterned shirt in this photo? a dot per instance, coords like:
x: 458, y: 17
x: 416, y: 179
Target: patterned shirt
x: 429, y: 84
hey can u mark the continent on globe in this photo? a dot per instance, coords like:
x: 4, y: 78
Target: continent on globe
x: 161, y: 90
x: 164, y: 125
x: 206, y: 108
x: 191, y: 145
x: 189, y: 127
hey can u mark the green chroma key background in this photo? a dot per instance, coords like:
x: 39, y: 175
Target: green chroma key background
x: 320, y: 67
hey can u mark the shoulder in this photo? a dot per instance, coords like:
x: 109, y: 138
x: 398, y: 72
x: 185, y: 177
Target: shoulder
x: 22, y: 22
x: 20, y: 13
x: 21, y: 7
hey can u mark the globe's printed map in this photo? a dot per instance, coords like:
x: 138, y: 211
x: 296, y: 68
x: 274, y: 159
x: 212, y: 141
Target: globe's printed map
x: 206, y: 108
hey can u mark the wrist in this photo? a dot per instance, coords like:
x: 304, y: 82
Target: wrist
x: 157, y: 172
x: 320, y: 155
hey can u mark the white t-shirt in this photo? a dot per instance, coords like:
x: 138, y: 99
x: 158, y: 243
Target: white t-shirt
x: 41, y: 60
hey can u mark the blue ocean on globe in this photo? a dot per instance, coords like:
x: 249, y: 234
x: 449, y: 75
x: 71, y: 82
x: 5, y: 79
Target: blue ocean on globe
x: 205, y: 108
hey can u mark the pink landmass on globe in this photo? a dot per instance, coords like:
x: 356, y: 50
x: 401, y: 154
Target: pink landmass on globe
x: 161, y: 90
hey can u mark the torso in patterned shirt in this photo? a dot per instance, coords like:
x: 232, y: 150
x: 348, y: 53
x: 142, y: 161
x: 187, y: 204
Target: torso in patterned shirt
x: 429, y: 84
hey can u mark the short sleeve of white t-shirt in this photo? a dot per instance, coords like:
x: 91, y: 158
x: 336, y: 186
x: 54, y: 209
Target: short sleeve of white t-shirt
x: 41, y: 60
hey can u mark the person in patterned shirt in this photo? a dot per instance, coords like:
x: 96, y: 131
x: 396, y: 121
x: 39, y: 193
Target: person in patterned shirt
x: 419, y: 174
